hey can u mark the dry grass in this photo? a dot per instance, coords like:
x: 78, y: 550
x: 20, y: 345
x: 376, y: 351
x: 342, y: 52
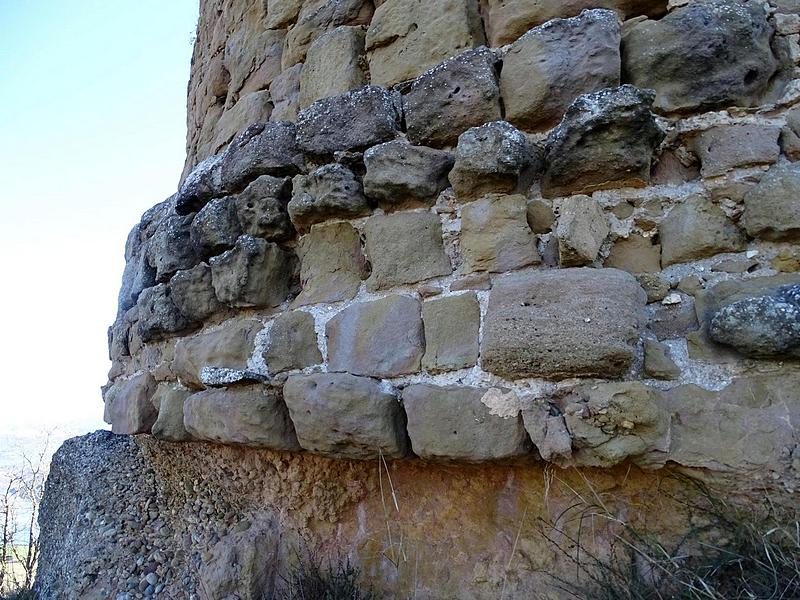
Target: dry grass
x: 313, y: 579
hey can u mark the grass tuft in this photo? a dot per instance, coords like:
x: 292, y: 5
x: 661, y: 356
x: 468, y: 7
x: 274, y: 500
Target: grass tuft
x: 314, y: 579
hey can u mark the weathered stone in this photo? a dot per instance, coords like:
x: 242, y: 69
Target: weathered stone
x: 292, y: 342
x: 703, y: 55
x: 170, y: 249
x: 612, y: 422
x: 475, y: 281
x: 655, y: 286
x: 697, y: 229
x: 495, y: 235
x: 138, y: 273
x: 159, y: 317
x: 332, y: 191
x: 540, y: 215
x: 727, y: 147
x: 380, y: 338
x: 351, y: 121
x: 192, y: 292
x: 228, y: 347
x: 281, y: 13
x: 254, y: 273
x: 404, y: 248
x: 252, y: 415
x: 261, y: 208
x: 605, y: 140
x: 398, y: 172
x: 255, y: 107
x: 129, y: 409
x: 564, y: 323
x: 495, y: 157
x: 548, y: 432
x: 202, y: 184
x: 406, y: 37
x: 673, y: 321
x: 252, y: 61
x: 658, y: 363
x: 712, y: 299
x: 168, y: 401
x: 223, y: 376
x: 285, y: 93
x: 635, y: 254
x: 456, y: 423
x: 451, y: 333
x: 790, y: 134
x: 582, y: 229
x: 216, y: 227
x: 334, y: 65
x: 332, y: 264
x: 549, y: 66
x: 772, y: 208
x: 506, y: 20
x: 343, y: 416
x: 459, y: 93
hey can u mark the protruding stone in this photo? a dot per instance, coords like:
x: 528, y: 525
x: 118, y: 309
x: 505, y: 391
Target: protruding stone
x: 216, y: 227
x: 334, y: 65
x: 772, y: 208
x: 404, y: 248
x: 129, y: 408
x: 282, y: 13
x: 398, y: 172
x: 562, y: 323
x: 495, y: 157
x: 605, y: 140
x: 406, y: 37
x: 702, y: 56
x: 549, y: 66
x: 459, y: 424
x: 168, y: 400
x: 170, y: 249
x: 495, y: 235
x: 254, y: 273
x: 159, y: 317
x: 545, y: 425
x: 352, y: 121
x: 727, y: 147
x: 380, y: 338
x: 452, y: 324
x: 459, y: 93
x: 251, y: 415
x: 332, y: 264
x: 697, y: 229
x: 332, y: 191
x: 292, y: 342
x: 658, y: 363
x: 261, y: 208
x: 540, y: 215
x: 343, y: 416
x: 202, y: 184
x: 193, y: 293
x: 582, y: 229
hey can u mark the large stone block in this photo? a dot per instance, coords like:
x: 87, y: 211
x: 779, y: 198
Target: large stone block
x: 128, y: 405
x: 459, y: 93
x: 398, y: 172
x: 343, y: 416
x: 261, y: 208
x: 352, y: 121
x: 234, y: 119
x: 168, y: 400
x: 727, y: 147
x: 406, y: 37
x: 703, y: 55
x: 159, y: 317
x: 252, y: 59
x: 404, y: 248
x: 292, y: 342
x: 253, y: 273
x: 697, y: 229
x: 495, y: 157
x: 332, y: 264
x: 564, y: 323
x: 334, y: 65
x: 460, y: 424
x: 251, y: 415
x: 495, y: 235
x: 582, y: 229
x: 452, y: 325
x: 193, y: 293
x: 332, y: 191
x: 170, y: 249
x: 605, y: 140
x: 380, y: 338
x: 772, y: 208
x: 215, y: 227
x: 548, y: 67
x: 228, y: 347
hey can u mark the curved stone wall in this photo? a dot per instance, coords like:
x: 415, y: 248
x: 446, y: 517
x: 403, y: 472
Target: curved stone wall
x: 579, y: 246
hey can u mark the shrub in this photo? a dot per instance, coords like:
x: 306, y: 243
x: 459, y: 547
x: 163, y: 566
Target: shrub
x: 313, y: 580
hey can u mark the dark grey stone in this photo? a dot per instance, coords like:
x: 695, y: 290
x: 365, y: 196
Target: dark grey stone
x: 159, y: 317
x: 332, y: 191
x: 261, y: 208
x: 193, y: 293
x: 216, y: 227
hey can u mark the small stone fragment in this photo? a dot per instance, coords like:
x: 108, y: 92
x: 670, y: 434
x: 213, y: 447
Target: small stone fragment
x: 655, y: 286
x: 451, y: 333
x: 582, y: 229
x: 658, y: 363
x: 332, y: 191
x: 292, y: 342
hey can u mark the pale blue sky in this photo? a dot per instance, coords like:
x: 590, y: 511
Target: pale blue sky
x: 92, y: 133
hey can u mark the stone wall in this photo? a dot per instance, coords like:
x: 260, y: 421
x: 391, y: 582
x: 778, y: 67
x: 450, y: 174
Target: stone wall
x: 458, y: 233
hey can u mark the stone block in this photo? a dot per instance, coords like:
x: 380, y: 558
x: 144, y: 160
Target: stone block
x: 170, y: 248
x: 159, y: 317
x: 285, y: 93
x: 292, y: 342
x: 281, y: 13
x: 495, y: 236
x: 582, y: 229
x: 727, y: 147
x: 451, y: 324
x: 192, y: 292
x: 255, y: 107
x: 548, y: 432
x: 540, y: 215
x: 128, y: 406
x: 343, y: 416
x: 459, y: 424
x: 635, y: 254
x: 332, y: 264
x: 252, y: 60
x: 459, y: 93
x: 168, y: 400
x: 406, y: 37
x: 658, y: 363
x: 334, y: 65
x: 549, y: 66
x: 215, y: 227
x: 379, y: 338
x: 404, y: 248
x: 772, y: 208
x: 251, y: 415
x: 261, y: 208
x: 563, y: 323
x: 332, y: 191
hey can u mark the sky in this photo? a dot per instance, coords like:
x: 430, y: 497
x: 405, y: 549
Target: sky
x: 92, y: 133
